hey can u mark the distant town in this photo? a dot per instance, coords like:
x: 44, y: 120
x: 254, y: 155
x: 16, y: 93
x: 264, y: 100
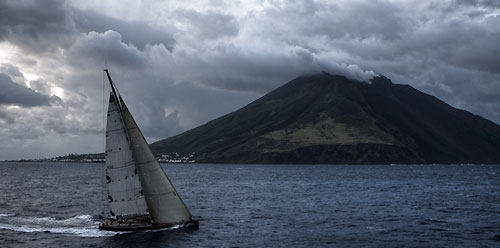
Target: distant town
x: 173, y: 157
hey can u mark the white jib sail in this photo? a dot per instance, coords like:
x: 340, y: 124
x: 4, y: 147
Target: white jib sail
x: 125, y: 193
x: 164, y: 204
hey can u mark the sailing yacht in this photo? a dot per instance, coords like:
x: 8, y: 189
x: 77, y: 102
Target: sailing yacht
x: 140, y: 195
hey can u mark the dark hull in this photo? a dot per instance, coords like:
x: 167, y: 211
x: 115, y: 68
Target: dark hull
x: 147, y: 226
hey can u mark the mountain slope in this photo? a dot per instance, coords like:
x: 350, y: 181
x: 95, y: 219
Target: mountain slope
x: 326, y: 118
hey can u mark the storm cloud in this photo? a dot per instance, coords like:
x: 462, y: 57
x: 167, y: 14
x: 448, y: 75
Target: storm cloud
x: 136, y: 33
x: 36, y: 25
x: 18, y: 95
x: 179, y: 64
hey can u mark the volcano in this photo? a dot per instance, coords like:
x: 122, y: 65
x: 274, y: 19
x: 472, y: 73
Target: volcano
x: 330, y: 119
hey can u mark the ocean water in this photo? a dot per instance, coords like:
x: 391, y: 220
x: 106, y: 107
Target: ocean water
x: 60, y: 205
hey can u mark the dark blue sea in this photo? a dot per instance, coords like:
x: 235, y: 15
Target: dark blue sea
x: 60, y: 205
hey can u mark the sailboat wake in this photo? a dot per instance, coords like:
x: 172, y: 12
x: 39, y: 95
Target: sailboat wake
x: 80, y: 225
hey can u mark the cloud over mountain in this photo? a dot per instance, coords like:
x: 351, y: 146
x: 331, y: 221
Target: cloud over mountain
x: 181, y: 64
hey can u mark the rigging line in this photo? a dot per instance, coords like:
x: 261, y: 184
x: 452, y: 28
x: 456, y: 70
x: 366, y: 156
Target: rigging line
x: 104, y: 114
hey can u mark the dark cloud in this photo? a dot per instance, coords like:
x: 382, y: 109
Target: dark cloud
x: 210, y: 25
x: 8, y: 119
x: 11, y: 70
x: 163, y: 107
x: 482, y: 3
x: 15, y: 94
x: 99, y: 48
x: 133, y: 32
x: 357, y: 20
x: 36, y: 25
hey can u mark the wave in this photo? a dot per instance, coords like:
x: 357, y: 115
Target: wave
x: 80, y: 225
x: 6, y: 215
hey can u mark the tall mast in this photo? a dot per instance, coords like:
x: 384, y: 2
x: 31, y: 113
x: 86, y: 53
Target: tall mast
x: 113, y: 89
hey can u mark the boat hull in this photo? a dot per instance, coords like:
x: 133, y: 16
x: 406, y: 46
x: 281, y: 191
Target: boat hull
x: 127, y: 227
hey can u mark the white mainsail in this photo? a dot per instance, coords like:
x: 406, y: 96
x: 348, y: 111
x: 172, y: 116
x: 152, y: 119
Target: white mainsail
x: 137, y: 184
x: 125, y: 193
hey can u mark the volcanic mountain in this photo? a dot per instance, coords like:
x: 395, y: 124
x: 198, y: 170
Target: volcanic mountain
x: 331, y: 119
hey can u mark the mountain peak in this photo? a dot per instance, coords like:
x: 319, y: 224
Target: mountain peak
x: 325, y: 118
x: 381, y: 79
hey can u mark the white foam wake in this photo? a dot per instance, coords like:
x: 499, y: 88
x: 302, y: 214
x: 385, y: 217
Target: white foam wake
x: 80, y: 225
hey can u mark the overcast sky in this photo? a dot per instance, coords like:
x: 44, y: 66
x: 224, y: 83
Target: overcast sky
x: 179, y: 64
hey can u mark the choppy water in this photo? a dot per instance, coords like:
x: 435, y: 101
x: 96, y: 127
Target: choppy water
x: 57, y: 205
